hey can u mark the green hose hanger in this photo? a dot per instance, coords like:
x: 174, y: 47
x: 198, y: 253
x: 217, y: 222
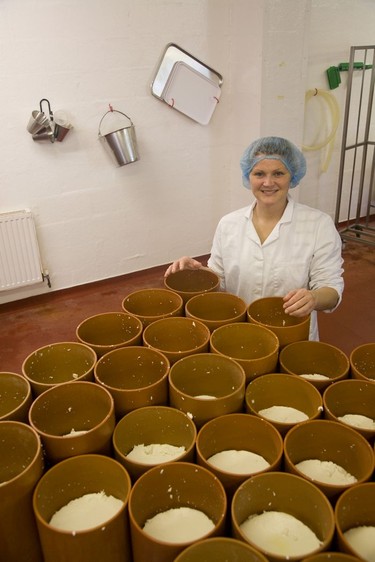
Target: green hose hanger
x: 333, y: 72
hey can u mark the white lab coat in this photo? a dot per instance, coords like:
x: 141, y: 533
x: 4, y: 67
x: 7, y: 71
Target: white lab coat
x: 302, y: 251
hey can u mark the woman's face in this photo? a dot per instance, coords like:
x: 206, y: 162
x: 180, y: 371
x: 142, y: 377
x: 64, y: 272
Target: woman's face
x: 270, y: 181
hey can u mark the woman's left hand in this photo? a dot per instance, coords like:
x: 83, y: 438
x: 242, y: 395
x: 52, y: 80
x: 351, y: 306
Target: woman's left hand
x: 299, y: 302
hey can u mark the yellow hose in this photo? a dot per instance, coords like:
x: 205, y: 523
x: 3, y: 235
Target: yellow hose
x: 328, y: 142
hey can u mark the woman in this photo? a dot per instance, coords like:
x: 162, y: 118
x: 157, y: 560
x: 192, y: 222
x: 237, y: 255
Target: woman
x: 275, y: 246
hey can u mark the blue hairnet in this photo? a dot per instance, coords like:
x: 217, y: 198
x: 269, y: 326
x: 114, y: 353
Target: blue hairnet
x: 273, y: 148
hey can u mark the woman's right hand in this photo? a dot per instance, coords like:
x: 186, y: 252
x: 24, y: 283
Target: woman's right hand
x: 183, y: 263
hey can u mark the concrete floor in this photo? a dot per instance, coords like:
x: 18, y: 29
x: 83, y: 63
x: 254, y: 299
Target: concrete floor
x: 32, y: 323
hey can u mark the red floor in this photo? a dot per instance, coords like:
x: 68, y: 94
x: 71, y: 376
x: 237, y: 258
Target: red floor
x: 32, y: 323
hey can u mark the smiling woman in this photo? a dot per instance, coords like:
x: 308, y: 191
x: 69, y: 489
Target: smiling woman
x: 275, y: 246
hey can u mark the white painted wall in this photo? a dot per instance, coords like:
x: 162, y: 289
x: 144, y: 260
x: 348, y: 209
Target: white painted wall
x: 96, y: 220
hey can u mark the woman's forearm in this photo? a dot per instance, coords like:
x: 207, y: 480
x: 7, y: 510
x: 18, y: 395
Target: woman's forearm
x: 301, y: 302
x: 325, y: 298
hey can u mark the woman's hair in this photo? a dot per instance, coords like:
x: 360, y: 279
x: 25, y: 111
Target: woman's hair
x: 275, y: 148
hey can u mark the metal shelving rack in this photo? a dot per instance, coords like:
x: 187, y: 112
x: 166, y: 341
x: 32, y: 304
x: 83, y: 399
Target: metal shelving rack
x: 355, y: 204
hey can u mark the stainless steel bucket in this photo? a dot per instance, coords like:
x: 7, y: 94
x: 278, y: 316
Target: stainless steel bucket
x: 37, y: 122
x: 60, y: 132
x: 122, y: 142
x: 45, y: 134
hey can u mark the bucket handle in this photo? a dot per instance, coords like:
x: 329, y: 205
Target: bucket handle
x: 111, y: 110
x: 49, y: 107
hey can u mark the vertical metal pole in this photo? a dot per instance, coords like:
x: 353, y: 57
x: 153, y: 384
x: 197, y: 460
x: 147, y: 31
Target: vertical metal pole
x: 370, y: 108
x: 372, y: 188
x: 365, y: 139
x: 344, y: 137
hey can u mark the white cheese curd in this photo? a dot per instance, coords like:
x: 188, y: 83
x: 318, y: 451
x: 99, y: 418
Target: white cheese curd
x: 86, y: 512
x: 326, y: 472
x: 281, y: 534
x: 284, y: 414
x: 73, y: 433
x: 357, y: 420
x: 314, y: 376
x: 155, y: 453
x: 362, y: 540
x: 238, y: 461
x: 179, y: 525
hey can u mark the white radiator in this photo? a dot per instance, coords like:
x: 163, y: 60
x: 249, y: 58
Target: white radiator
x: 20, y: 262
